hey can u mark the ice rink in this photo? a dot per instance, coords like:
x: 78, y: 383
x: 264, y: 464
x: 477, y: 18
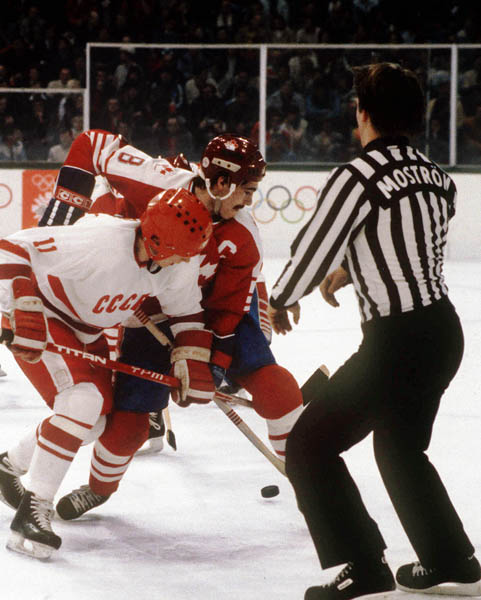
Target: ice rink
x: 192, y: 525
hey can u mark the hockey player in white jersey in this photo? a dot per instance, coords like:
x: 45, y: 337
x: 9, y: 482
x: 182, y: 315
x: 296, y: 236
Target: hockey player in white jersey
x: 65, y: 285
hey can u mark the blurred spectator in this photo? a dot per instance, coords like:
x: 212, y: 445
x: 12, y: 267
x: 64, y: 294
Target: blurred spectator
x: 196, y: 83
x: 76, y: 125
x: 34, y: 80
x: 58, y: 153
x: 277, y: 70
x: 326, y: 142
x: 284, y: 97
x: 227, y: 17
x: 175, y: 138
x: 303, y: 70
x: 241, y: 81
x: 281, y: 33
x: 7, y: 114
x: 64, y: 80
x: 294, y: 128
x: 208, y: 129
x: 205, y: 110
x: 322, y: 102
x: 32, y: 25
x: 308, y: 33
x: 11, y: 145
x: 470, y: 138
x: 471, y: 77
x: 111, y: 116
x: 242, y: 112
x: 277, y: 149
x: 58, y: 57
x: 437, y: 146
x: 69, y: 106
x: 37, y: 127
x: 166, y: 94
x: 103, y: 89
x: 3, y: 76
x: 125, y: 130
x: 126, y: 64
x: 439, y: 107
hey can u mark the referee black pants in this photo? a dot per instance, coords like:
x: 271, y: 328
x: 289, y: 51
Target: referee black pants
x: 392, y: 387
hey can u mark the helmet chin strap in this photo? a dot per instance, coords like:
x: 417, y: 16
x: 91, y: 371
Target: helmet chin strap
x: 218, y: 199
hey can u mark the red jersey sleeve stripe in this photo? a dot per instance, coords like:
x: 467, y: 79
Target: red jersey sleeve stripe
x: 9, y: 271
x: 14, y: 249
x: 59, y: 291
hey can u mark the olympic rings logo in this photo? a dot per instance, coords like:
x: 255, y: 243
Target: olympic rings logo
x: 5, y: 195
x: 44, y: 183
x: 279, y: 200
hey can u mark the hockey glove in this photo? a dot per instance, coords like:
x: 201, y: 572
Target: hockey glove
x: 190, y: 364
x: 28, y: 321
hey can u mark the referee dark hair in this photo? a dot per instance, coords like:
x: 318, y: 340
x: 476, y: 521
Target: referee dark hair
x: 381, y: 224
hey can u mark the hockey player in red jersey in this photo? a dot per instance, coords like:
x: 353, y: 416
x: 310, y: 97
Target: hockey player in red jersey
x: 225, y: 182
x: 65, y: 285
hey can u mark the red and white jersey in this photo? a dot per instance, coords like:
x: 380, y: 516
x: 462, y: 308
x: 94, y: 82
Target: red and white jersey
x: 135, y: 175
x: 234, y: 254
x: 88, y: 275
x: 229, y: 271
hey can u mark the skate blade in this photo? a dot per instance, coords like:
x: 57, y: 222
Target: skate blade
x: 17, y: 543
x: 449, y: 589
x: 379, y: 595
x: 152, y: 446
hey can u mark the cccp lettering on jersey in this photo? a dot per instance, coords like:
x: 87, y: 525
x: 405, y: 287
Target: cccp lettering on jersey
x: 110, y: 304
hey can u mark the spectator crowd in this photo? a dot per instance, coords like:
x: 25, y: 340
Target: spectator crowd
x: 167, y: 100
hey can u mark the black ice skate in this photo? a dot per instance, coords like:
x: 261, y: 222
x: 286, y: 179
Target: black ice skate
x: 78, y: 502
x: 155, y: 441
x: 353, y: 582
x: 11, y: 488
x: 462, y: 578
x: 31, y: 530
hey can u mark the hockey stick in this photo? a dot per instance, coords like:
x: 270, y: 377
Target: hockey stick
x: 310, y: 389
x: 114, y: 365
x: 169, y: 433
x: 219, y: 399
x: 164, y: 340
x: 250, y: 435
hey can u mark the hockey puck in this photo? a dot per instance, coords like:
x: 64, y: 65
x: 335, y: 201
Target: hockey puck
x: 269, y: 491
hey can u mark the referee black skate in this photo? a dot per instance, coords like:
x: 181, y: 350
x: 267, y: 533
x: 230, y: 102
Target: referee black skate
x: 381, y: 224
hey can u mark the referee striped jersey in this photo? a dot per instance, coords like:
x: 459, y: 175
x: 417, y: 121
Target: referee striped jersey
x: 385, y: 217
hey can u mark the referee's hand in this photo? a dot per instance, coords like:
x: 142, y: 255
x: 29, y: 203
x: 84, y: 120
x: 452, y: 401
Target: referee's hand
x: 279, y: 318
x: 333, y: 282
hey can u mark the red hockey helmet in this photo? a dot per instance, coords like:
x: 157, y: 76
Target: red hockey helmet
x: 237, y: 157
x: 175, y: 222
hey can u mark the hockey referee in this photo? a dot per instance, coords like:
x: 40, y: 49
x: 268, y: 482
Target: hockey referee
x: 381, y: 224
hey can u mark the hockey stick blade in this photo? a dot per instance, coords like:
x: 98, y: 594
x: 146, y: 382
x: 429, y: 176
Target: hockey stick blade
x: 171, y: 439
x: 315, y: 385
x: 170, y: 435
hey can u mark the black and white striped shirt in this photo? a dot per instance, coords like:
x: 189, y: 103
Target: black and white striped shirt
x: 385, y: 214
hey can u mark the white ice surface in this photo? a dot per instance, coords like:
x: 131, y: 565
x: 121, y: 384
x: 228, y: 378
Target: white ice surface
x: 192, y: 525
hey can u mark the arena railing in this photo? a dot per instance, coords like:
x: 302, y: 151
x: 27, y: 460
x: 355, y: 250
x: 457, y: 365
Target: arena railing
x: 308, y: 126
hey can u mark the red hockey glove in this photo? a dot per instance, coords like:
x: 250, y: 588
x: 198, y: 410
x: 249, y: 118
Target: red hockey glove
x: 190, y: 364
x: 28, y: 321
